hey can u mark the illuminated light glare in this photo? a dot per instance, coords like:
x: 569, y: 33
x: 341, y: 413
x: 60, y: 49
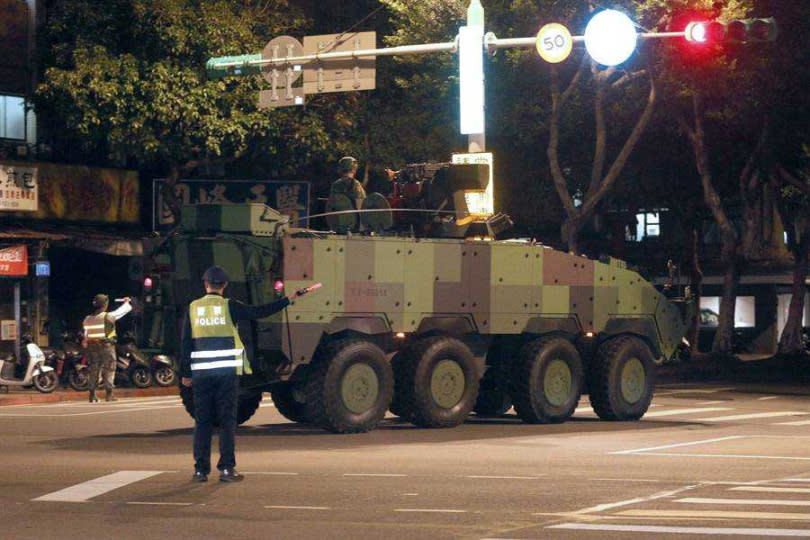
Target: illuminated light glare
x: 278, y: 286
x: 471, y: 78
x: 400, y: 335
x: 147, y: 283
x: 698, y: 33
x: 589, y: 334
x: 610, y: 37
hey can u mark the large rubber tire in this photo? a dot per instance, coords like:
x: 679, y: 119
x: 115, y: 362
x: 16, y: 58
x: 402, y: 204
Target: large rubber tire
x: 547, y: 381
x: 493, y: 397
x: 439, y: 382
x: 46, y: 382
x: 79, y: 380
x: 141, y: 377
x: 622, y: 379
x: 245, y: 407
x: 286, y: 404
x: 349, y: 386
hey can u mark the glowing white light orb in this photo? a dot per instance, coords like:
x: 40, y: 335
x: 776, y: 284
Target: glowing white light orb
x: 610, y: 37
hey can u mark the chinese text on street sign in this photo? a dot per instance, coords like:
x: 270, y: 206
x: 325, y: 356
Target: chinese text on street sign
x: 18, y: 188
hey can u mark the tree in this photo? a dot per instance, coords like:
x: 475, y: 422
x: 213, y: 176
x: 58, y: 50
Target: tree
x: 127, y: 83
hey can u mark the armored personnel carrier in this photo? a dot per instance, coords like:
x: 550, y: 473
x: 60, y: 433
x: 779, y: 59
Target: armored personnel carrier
x: 431, y: 329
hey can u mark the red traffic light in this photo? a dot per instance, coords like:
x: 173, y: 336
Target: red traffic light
x: 705, y: 32
x: 147, y: 284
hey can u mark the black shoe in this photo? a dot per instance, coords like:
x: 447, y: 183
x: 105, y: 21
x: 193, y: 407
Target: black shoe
x: 199, y: 477
x: 230, y: 475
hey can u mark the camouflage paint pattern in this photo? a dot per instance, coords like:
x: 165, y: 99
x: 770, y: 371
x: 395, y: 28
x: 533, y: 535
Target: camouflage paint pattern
x: 397, y: 283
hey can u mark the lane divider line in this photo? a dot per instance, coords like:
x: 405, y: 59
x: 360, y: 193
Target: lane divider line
x: 678, y: 445
x: 764, y: 502
x: 765, y: 489
x: 675, y: 412
x: 663, y: 529
x: 282, y: 507
x: 431, y: 510
x: 723, y: 456
x: 381, y: 475
x: 752, y: 416
x: 714, y: 514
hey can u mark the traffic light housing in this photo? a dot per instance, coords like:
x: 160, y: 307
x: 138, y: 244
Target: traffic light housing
x: 734, y: 31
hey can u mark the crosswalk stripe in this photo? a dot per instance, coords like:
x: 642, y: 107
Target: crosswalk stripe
x: 765, y: 489
x: 674, y: 412
x: 662, y: 529
x: 98, y: 486
x: 768, y: 502
x: 788, y: 516
x: 753, y: 416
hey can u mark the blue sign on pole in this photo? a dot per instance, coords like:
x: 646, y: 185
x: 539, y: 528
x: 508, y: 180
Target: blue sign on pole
x: 289, y: 198
x: 43, y: 268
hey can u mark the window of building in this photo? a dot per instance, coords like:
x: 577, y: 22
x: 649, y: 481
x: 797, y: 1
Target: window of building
x: 12, y: 117
x: 744, y: 311
x: 648, y: 225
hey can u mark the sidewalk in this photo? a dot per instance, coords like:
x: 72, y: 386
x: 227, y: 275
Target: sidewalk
x: 31, y: 396
x: 770, y: 372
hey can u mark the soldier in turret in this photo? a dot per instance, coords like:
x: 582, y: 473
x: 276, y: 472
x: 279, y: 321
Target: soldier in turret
x: 348, y: 184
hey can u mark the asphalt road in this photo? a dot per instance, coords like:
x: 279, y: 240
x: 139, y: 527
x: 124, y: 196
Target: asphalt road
x: 707, y: 460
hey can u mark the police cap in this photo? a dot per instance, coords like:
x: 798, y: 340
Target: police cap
x: 215, y: 276
x: 100, y: 300
x: 346, y: 164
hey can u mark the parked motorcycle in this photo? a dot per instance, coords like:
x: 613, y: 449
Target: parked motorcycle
x: 163, y: 370
x: 130, y: 364
x: 75, y: 369
x: 31, y: 371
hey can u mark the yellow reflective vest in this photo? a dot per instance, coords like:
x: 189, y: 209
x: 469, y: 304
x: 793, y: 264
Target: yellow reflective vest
x: 215, y: 338
x: 99, y: 326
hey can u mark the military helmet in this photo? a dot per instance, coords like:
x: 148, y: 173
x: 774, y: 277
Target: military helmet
x: 346, y: 164
x: 215, y: 275
x: 100, y: 301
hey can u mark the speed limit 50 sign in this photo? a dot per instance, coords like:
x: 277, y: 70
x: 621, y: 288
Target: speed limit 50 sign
x: 554, y: 43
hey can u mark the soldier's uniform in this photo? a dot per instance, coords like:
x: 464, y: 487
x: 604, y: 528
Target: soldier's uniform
x: 213, y: 356
x: 99, y: 335
x: 347, y: 185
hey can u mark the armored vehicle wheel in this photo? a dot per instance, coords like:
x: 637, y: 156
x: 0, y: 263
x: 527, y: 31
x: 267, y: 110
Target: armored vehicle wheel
x: 622, y: 379
x: 547, y: 381
x: 398, y: 403
x: 286, y: 404
x: 440, y: 382
x: 349, y: 387
x: 493, y: 398
x: 245, y: 408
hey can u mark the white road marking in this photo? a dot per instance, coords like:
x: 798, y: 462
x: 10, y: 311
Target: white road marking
x: 799, y: 423
x: 279, y: 507
x: 587, y: 409
x: 772, y: 489
x: 99, y: 486
x: 678, y: 445
x: 383, y: 475
x: 627, y: 480
x: 725, y: 456
x: 410, y: 494
x: 91, y: 413
x: 766, y: 398
x: 272, y: 473
x: 770, y: 502
x: 670, y: 391
x: 505, y: 477
x: 752, y: 416
x: 146, y: 503
x: 795, y: 480
x: 431, y: 510
x: 637, y: 500
x: 713, y: 402
x: 683, y: 530
x: 715, y: 514
x: 674, y: 412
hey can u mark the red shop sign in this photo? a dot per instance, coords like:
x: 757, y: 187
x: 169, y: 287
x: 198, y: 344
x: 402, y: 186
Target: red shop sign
x: 14, y: 261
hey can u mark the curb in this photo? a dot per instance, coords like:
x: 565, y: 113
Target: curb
x: 70, y: 395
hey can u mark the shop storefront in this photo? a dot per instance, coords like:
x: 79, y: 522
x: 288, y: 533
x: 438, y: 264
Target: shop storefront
x: 80, y: 230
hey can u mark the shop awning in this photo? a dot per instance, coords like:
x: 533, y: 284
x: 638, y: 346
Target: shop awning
x: 107, y: 240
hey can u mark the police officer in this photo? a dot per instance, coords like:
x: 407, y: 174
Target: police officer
x: 212, y: 357
x: 348, y: 184
x: 99, y: 341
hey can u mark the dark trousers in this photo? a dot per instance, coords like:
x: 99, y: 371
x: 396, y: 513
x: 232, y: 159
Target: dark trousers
x: 215, y: 399
x: 101, y: 358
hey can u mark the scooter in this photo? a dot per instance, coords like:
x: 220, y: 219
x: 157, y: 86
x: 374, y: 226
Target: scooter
x: 75, y: 368
x: 31, y: 372
x: 130, y: 363
x: 163, y: 370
